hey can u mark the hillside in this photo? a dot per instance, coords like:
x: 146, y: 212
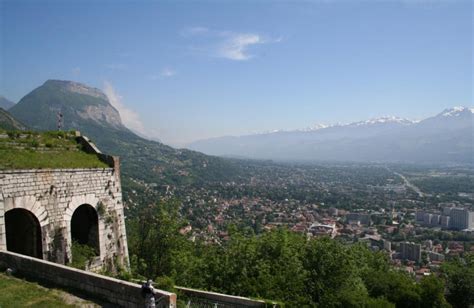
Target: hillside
x: 445, y: 138
x: 5, y: 103
x: 8, y: 122
x: 88, y: 110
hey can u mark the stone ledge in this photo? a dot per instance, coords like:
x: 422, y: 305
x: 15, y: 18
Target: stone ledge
x: 115, y: 291
x: 74, y: 170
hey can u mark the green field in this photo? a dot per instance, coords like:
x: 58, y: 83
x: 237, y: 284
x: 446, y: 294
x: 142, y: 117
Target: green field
x: 19, y: 293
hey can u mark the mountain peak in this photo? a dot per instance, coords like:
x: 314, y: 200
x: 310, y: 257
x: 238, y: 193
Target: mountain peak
x: 313, y: 128
x: 456, y: 111
x: 81, y: 106
x: 76, y: 87
x: 5, y: 103
x: 384, y: 120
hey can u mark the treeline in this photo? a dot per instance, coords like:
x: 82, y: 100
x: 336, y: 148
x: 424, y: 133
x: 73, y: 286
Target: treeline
x: 284, y: 266
x: 450, y: 185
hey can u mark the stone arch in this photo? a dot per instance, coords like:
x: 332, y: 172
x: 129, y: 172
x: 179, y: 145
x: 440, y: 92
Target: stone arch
x: 92, y: 202
x: 85, y: 226
x: 31, y: 204
x: 23, y: 233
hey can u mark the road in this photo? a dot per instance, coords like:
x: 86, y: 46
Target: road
x: 409, y: 184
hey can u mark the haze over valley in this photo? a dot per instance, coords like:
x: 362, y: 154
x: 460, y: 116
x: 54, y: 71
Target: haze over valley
x: 447, y: 137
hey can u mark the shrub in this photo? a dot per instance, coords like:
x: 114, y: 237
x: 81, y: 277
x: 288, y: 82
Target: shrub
x: 81, y: 255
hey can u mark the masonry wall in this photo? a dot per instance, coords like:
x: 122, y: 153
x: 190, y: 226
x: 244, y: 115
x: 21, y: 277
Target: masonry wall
x: 121, y: 293
x: 52, y: 195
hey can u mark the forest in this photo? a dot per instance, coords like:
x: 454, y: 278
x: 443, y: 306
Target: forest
x: 286, y: 267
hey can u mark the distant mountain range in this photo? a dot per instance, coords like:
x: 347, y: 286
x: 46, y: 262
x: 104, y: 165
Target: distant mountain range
x: 5, y: 103
x: 89, y: 110
x: 444, y: 138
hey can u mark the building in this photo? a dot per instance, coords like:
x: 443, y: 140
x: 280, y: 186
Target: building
x: 434, y: 256
x: 447, y: 210
x: 445, y: 222
x: 419, y: 216
x: 44, y: 211
x: 461, y: 219
x: 374, y: 242
x: 363, y: 219
x: 427, y: 219
x: 410, y: 251
x: 428, y: 244
x: 318, y: 229
x: 451, y: 218
x: 435, y: 220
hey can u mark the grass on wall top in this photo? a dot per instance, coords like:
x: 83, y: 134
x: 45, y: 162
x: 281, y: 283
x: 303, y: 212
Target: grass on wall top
x: 33, y: 150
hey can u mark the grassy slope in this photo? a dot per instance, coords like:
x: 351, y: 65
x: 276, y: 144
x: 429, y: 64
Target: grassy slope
x: 45, y: 150
x: 19, y: 293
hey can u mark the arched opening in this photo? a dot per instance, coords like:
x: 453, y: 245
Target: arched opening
x: 85, y: 227
x: 23, y: 232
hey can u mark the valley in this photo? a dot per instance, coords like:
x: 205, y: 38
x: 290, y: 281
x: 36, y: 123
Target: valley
x: 184, y: 208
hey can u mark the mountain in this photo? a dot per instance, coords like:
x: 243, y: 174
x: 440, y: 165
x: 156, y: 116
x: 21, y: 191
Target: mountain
x: 5, y: 103
x: 8, y: 122
x: 81, y: 107
x: 89, y: 110
x: 446, y: 137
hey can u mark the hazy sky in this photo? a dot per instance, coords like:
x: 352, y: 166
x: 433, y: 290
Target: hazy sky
x: 186, y: 70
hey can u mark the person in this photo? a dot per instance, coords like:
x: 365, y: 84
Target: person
x: 148, y: 292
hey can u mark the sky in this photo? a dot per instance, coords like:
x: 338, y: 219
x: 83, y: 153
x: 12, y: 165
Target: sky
x: 180, y: 71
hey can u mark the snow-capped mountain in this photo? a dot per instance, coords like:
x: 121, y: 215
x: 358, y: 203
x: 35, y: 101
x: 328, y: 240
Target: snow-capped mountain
x: 445, y: 137
x: 384, y: 120
x: 448, y: 120
x: 456, y: 111
x: 319, y: 126
x: 314, y: 127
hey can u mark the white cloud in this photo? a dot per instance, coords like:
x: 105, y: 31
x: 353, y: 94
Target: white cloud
x: 225, y: 44
x: 130, y: 118
x: 236, y: 46
x: 167, y: 72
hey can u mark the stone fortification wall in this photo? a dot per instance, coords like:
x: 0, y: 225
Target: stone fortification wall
x: 53, y: 196
x: 121, y: 293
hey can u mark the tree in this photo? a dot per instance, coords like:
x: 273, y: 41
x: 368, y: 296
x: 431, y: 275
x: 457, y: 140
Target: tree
x: 154, y: 239
x: 397, y: 287
x: 432, y: 292
x: 333, y: 276
x: 459, y: 275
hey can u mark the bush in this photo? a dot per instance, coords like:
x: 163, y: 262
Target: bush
x: 165, y: 283
x: 81, y: 255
